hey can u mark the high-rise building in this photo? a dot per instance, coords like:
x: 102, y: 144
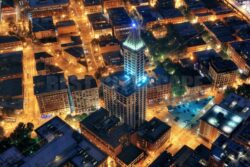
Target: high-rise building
x: 125, y: 92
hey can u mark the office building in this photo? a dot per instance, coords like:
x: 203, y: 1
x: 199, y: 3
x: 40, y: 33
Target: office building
x: 51, y: 93
x: 153, y: 134
x: 222, y: 72
x: 85, y: 94
x: 125, y: 92
x: 60, y: 145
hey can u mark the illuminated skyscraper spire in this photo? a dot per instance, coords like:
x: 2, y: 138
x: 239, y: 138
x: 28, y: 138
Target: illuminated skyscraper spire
x: 134, y: 60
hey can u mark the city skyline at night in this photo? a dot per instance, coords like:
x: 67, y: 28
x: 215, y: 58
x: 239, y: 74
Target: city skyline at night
x: 124, y: 83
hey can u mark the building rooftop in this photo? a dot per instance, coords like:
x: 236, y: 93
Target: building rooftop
x: 113, y: 58
x: 6, y: 39
x: 237, y: 104
x: 230, y: 152
x: 11, y: 64
x: 122, y: 82
x: 91, y: 2
x: 153, y: 130
x: 160, y: 77
x: 119, y: 17
x: 73, y: 147
x: 134, y: 41
x: 164, y: 160
x: 243, y: 49
x: 129, y: 154
x: 42, y: 24
x: 47, y: 3
x: 7, y: 4
x: 88, y: 82
x: 10, y: 157
x: 222, y: 66
x: 49, y: 83
x: 42, y: 55
x: 187, y: 157
x: 73, y: 41
x: 65, y: 23
x: 11, y: 87
x: 224, y: 120
x: 223, y: 32
x: 243, y: 134
x: 99, y: 21
x: 147, y: 13
x: 49, y: 69
x: 107, y: 128
x: 76, y: 51
x: 170, y: 13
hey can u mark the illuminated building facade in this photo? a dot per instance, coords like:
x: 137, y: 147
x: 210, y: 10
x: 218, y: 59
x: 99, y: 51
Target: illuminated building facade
x: 125, y: 92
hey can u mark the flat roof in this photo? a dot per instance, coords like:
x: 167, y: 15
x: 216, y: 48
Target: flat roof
x: 221, y: 66
x: 63, y: 144
x: 243, y: 49
x: 119, y: 17
x: 222, y: 119
x: 88, y: 82
x: 153, y: 130
x: 75, y: 51
x: 99, y: 21
x: 47, y: 3
x: 11, y: 87
x: 230, y: 152
x: 129, y: 154
x: 106, y: 127
x: 170, y: 13
x: 122, y: 82
x: 165, y: 159
x: 91, y: 2
x: 49, y: 83
x: 42, y: 24
x: 6, y: 39
x: 113, y: 58
x: 65, y: 23
x: 11, y: 63
x: 237, y: 104
x: 147, y: 13
x: 222, y: 31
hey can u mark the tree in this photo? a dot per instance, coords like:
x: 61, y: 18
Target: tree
x: 244, y: 90
x: 21, y: 139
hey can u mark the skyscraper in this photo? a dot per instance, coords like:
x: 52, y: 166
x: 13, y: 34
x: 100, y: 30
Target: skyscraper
x: 125, y: 91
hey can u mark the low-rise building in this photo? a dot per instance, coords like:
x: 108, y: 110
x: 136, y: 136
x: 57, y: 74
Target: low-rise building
x: 43, y: 27
x: 9, y: 42
x: 164, y: 158
x: 159, y: 87
x: 100, y: 25
x: 222, y: 72
x: 40, y: 8
x: 60, y: 145
x: 85, y: 94
x: 108, y: 44
x: 66, y: 27
x: 11, y: 65
x: 227, y: 152
x: 153, y: 134
x: 51, y: 93
x: 240, y: 54
x: 187, y: 157
x: 92, y: 6
x: 107, y: 132
x: 120, y: 22
x: 44, y: 57
x: 219, y: 120
x: 107, y: 4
